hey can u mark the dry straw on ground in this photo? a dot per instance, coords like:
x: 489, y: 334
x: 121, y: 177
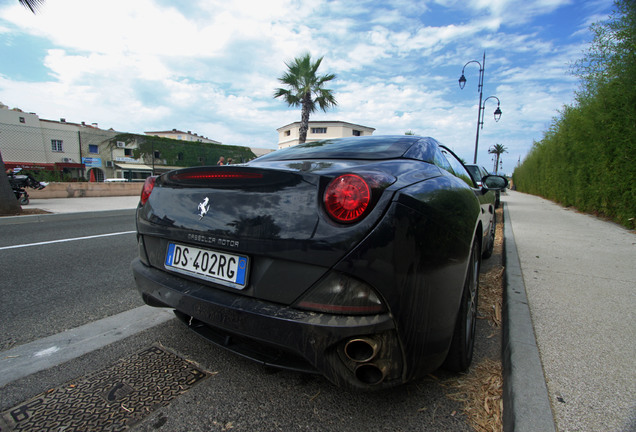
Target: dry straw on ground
x: 481, y: 389
x: 490, y: 296
x: 29, y: 211
x: 491, y: 283
x: 480, y: 392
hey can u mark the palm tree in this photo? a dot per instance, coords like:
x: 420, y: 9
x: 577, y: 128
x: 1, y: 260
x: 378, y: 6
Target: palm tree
x: 497, y: 150
x: 32, y: 5
x: 305, y: 88
x: 8, y: 204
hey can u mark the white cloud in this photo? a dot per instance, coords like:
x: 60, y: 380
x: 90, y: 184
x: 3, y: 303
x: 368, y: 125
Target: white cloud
x: 211, y: 66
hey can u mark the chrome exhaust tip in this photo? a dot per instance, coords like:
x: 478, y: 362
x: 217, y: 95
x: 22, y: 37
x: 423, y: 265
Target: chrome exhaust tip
x: 361, y: 350
x: 370, y: 373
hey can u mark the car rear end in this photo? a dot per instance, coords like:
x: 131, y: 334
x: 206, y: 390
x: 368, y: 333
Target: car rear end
x: 293, y: 263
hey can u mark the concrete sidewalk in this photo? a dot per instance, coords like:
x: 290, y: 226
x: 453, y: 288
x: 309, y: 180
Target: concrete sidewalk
x: 63, y: 208
x: 84, y: 204
x: 579, y: 274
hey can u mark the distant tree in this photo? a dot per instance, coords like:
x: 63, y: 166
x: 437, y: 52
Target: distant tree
x: 497, y: 150
x: 305, y: 88
x: 409, y: 132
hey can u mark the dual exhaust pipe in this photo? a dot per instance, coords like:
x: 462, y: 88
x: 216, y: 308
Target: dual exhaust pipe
x: 363, y: 351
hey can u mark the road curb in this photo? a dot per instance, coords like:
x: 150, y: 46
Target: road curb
x: 525, y: 394
x: 22, y: 219
x: 54, y: 350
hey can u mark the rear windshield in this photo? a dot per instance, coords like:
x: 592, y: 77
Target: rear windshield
x: 369, y: 148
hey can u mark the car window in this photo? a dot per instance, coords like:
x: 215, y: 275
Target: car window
x: 475, y: 172
x: 371, y: 147
x: 457, y: 167
x: 441, y: 161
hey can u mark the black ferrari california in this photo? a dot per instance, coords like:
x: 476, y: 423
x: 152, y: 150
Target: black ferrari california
x: 356, y: 258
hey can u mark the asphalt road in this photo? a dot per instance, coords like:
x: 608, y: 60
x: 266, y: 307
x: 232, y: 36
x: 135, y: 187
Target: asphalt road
x: 52, y: 285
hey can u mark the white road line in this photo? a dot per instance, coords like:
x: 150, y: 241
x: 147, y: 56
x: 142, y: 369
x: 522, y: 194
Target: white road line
x: 65, y: 240
x: 51, y: 351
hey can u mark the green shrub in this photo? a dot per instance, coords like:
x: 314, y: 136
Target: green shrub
x: 587, y: 158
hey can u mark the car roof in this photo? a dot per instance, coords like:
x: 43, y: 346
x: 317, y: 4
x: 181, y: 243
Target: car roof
x: 367, y: 147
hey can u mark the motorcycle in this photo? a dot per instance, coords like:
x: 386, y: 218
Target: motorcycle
x: 19, y: 183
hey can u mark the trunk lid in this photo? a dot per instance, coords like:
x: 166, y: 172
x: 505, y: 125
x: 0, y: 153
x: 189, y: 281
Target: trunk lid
x: 272, y: 214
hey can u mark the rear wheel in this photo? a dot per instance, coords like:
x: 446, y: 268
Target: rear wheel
x: 460, y: 354
x: 491, y: 238
x: 24, y: 200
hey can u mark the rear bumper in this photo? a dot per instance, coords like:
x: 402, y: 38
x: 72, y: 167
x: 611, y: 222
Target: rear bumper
x: 278, y: 335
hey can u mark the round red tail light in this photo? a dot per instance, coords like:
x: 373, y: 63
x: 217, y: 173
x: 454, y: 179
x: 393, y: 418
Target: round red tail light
x: 347, y: 197
x: 149, y: 184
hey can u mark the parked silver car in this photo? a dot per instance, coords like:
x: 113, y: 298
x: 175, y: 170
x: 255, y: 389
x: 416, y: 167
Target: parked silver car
x: 478, y: 173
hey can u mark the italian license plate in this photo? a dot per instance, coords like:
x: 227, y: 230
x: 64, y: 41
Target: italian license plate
x: 220, y: 267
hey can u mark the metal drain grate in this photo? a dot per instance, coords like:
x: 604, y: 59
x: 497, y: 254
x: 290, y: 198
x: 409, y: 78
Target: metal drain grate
x: 110, y: 400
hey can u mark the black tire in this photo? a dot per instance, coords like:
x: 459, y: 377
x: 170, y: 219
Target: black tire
x: 24, y: 200
x: 491, y: 238
x: 460, y: 354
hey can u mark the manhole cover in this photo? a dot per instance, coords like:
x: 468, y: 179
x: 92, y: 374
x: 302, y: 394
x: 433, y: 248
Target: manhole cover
x: 110, y: 400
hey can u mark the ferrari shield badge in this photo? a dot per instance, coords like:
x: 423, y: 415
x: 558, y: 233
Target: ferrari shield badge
x: 204, y: 207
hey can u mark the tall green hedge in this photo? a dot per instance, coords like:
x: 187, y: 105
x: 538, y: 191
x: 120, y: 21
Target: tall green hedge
x: 587, y: 159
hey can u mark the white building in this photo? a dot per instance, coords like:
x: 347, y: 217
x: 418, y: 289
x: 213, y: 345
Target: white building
x: 31, y: 143
x: 183, y: 136
x: 318, y: 130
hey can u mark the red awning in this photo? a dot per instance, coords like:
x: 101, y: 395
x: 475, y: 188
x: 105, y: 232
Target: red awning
x: 30, y: 165
x: 57, y: 166
x: 69, y: 165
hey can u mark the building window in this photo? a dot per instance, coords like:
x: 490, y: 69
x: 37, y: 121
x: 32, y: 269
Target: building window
x: 157, y: 154
x: 22, y: 120
x: 287, y: 133
x: 56, y: 145
x: 318, y: 130
x: 128, y: 152
x: 180, y: 156
x: 356, y: 133
x: 93, y: 148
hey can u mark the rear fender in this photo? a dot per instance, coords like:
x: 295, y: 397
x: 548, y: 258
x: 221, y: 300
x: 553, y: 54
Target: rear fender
x: 417, y: 259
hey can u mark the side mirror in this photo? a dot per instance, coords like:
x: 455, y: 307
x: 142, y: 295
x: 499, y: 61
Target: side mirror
x: 494, y: 182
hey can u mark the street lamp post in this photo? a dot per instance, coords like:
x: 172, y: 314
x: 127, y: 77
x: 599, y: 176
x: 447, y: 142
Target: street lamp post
x: 481, y: 107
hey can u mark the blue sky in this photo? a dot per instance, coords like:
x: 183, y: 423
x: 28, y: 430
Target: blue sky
x: 211, y: 67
